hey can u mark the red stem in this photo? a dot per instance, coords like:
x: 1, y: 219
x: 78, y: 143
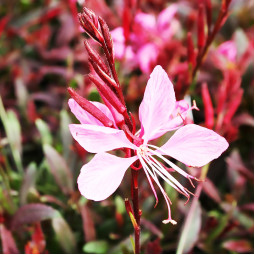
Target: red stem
x: 136, y: 209
x: 217, y: 26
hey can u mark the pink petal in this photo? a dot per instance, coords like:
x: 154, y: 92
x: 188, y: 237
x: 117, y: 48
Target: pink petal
x: 118, y: 42
x: 194, y: 145
x: 176, y: 119
x: 85, y: 117
x: 97, y: 139
x: 167, y: 26
x: 146, y: 21
x: 179, y: 114
x: 165, y: 17
x: 158, y: 103
x: 228, y: 49
x: 147, y: 56
x: 102, y: 175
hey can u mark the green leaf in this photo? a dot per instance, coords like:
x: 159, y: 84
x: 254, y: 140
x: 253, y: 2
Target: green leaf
x: 191, y: 228
x: 64, y: 234
x: 28, y: 182
x: 59, y: 169
x: 65, y: 133
x: 13, y: 131
x: 120, y: 205
x: 21, y: 93
x: 44, y: 131
x: 97, y: 247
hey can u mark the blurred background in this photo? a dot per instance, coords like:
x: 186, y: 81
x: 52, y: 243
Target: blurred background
x: 205, y: 46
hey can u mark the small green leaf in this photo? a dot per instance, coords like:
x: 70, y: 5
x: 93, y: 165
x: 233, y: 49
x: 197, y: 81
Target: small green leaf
x: 120, y: 205
x: 28, y: 182
x: 97, y: 247
x: 64, y: 234
x: 65, y: 133
x: 59, y: 169
x: 191, y: 228
x: 13, y: 131
x: 44, y: 131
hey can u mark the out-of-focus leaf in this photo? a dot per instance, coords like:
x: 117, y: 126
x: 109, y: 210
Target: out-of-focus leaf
x: 217, y: 230
x: 191, y: 228
x: 28, y: 182
x: 87, y: 220
x: 211, y: 191
x: 32, y: 213
x: 151, y: 227
x: 59, y: 169
x: 241, y: 41
x: 154, y: 247
x: 67, y: 24
x: 65, y: 133
x: 21, y: 93
x: 120, y: 205
x: 6, y: 199
x: 8, y: 243
x: 97, y: 247
x: 64, y: 234
x: 238, y: 246
x: 13, y: 132
x: 52, y: 199
x: 44, y: 131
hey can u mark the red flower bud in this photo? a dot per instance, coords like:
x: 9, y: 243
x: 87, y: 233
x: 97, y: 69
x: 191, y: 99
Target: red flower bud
x: 209, y: 112
x: 90, y: 108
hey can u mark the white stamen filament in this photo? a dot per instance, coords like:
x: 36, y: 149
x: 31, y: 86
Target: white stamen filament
x: 168, y: 201
x: 152, y: 167
x: 175, y: 167
x: 167, y: 177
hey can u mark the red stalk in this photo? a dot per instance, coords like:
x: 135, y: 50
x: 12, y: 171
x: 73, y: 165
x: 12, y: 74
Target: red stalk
x: 209, y: 112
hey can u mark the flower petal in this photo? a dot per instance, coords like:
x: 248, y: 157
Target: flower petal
x: 176, y: 119
x: 194, y: 145
x: 166, y: 16
x: 102, y: 175
x: 147, y: 56
x: 97, y: 139
x: 158, y: 103
x: 85, y: 117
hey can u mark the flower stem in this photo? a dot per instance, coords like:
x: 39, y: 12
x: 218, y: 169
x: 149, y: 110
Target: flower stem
x: 137, y: 212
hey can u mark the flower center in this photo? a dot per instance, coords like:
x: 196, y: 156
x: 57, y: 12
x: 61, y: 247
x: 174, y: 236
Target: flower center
x: 142, y: 150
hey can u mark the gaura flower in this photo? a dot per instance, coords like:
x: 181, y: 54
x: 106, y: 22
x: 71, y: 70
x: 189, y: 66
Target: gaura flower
x: 149, y: 34
x: 158, y: 113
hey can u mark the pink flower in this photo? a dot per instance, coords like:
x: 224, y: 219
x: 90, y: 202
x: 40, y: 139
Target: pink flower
x: 149, y: 35
x: 159, y: 113
x: 228, y: 50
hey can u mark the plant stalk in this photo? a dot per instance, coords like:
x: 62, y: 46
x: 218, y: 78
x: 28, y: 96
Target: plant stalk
x: 137, y: 213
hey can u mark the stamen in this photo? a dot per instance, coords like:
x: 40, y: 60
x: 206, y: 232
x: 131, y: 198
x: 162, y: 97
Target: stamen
x: 152, y: 187
x: 162, y: 190
x: 170, y: 177
x: 175, y: 167
x: 191, y: 182
x: 170, y: 180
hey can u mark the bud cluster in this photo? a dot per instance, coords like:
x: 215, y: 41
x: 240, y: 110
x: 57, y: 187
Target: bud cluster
x: 105, y: 77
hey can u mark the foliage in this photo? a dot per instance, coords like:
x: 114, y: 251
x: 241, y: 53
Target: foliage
x: 42, y: 53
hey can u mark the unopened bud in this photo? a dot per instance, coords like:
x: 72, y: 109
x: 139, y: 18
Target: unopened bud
x: 90, y: 108
x: 104, y: 76
x: 95, y: 57
x: 108, y: 94
x: 200, y: 27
